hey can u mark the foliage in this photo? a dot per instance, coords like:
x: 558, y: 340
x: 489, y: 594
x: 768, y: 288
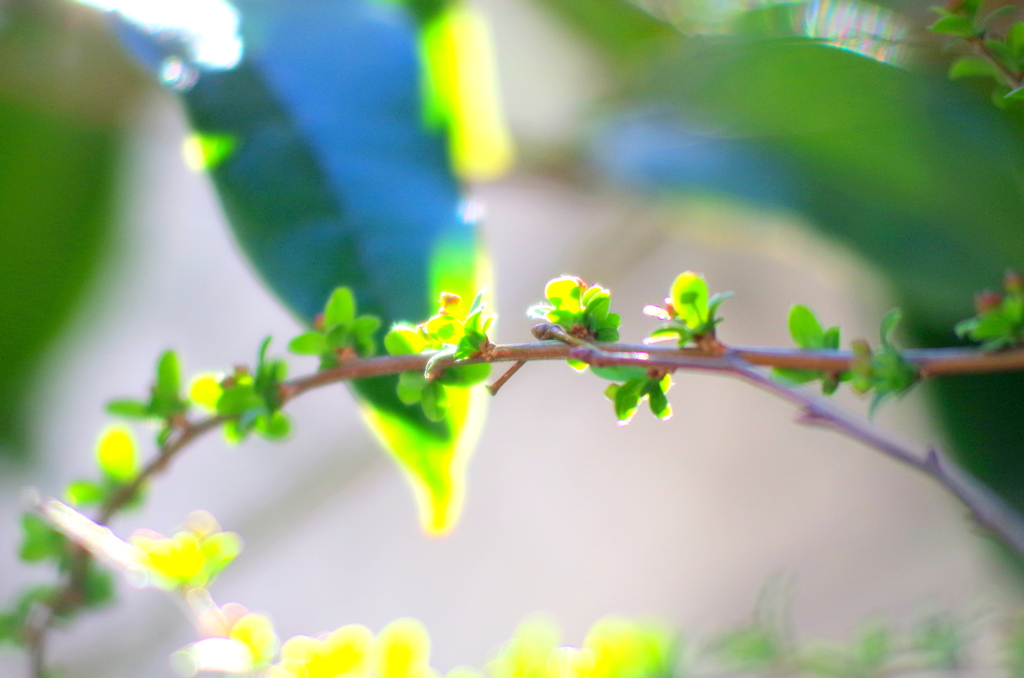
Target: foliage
x: 451, y: 333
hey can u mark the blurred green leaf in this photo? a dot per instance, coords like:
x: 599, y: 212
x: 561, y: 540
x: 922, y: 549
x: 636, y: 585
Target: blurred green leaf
x: 116, y: 454
x: 309, y: 343
x: 972, y: 67
x: 129, y: 408
x: 39, y: 540
x: 805, y: 328
x: 340, y: 309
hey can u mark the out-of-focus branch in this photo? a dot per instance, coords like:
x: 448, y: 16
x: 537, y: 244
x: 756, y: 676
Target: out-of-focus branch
x: 739, y: 361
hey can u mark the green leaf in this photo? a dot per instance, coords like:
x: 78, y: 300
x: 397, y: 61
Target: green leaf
x: 1015, y: 40
x: 116, y: 454
x: 627, y: 399
x: 619, y: 372
x: 404, y: 340
x: 749, y: 650
x: 434, y: 400
x: 409, y: 396
x: 309, y: 343
x: 365, y: 326
x: 831, y: 338
x: 168, y: 375
x: 564, y: 293
x: 238, y: 399
x: 340, y: 309
x: 659, y: 403
x: 609, y: 334
x: 85, y: 493
x: 795, y: 376
x: 889, y: 323
x: 805, y: 328
x: 97, y: 586
x: 689, y: 295
x: 972, y: 67
x: 39, y: 540
x: 874, y: 647
x: 275, y: 426
x: 464, y: 376
x: 954, y: 25
x: 129, y: 408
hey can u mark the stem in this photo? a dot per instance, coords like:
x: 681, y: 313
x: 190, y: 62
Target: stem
x: 988, y: 509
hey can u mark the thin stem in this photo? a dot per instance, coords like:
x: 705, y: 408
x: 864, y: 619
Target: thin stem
x: 557, y: 344
x: 500, y: 381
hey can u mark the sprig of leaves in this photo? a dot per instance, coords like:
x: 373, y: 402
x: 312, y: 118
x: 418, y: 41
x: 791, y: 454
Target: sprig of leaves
x: 999, y: 322
x: 451, y: 333
x: 808, y: 333
x: 339, y: 333
x: 165, y: 403
x: 638, y: 386
x: 998, y: 57
x: 690, y: 314
x: 580, y: 309
x: 885, y: 372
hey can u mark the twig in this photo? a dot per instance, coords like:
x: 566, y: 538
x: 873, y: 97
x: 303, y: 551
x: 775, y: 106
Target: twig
x: 557, y: 344
x: 988, y: 509
x: 500, y: 381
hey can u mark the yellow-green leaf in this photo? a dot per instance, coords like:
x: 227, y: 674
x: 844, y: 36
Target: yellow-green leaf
x: 116, y: 453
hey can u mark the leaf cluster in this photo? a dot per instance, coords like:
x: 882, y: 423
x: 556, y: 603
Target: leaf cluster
x: 994, y: 56
x: 690, y: 314
x: 999, y: 322
x: 450, y: 333
x: 580, y: 309
x: 808, y: 333
x: 339, y: 333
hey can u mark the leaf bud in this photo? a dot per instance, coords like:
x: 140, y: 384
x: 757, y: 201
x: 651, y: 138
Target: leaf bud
x: 987, y: 300
x: 1013, y: 281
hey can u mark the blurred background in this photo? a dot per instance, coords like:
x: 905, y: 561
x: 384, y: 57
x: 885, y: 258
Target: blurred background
x: 797, y: 153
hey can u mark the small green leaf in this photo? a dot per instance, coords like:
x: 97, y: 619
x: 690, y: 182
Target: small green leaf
x: 116, y: 454
x: 619, y: 372
x: 954, y: 25
x: 565, y: 293
x: 365, y: 326
x: 972, y: 67
x: 129, y: 408
x: 889, y: 323
x: 39, y: 540
x: 238, y: 399
x: 627, y: 399
x: 464, y: 376
x: 407, y: 395
x: 795, y: 376
x: 309, y: 343
x: 608, y: 334
x: 403, y: 340
x: 434, y: 401
x: 831, y: 338
x: 340, y: 309
x: 168, y: 375
x: 85, y: 493
x: 1015, y: 40
x: 805, y: 328
x: 689, y: 295
x: 274, y: 426
x: 97, y: 586
x: 659, y: 403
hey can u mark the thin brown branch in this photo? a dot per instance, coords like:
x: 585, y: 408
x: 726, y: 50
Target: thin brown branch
x: 500, y: 381
x: 560, y: 345
x: 988, y: 509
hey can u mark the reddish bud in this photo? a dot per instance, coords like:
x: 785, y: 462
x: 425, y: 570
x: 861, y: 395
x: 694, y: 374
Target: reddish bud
x: 318, y: 322
x: 1013, y: 281
x: 954, y: 6
x: 987, y: 301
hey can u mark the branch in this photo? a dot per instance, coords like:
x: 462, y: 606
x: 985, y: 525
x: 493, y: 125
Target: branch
x: 988, y: 509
